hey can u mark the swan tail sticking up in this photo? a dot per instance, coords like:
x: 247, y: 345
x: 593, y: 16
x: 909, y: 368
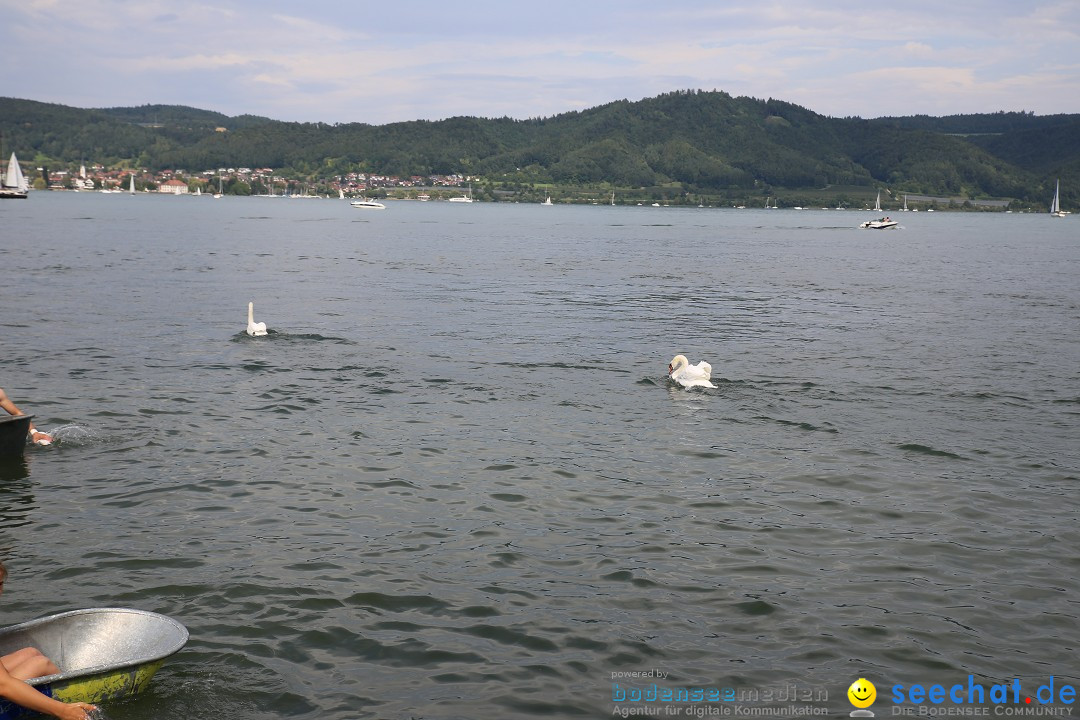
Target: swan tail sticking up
x: 254, y: 328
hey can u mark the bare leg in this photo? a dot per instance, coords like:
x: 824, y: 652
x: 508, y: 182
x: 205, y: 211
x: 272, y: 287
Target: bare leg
x: 28, y: 663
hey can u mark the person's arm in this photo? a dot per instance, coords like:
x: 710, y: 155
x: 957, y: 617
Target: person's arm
x: 6, y: 404
x: 23, y: 694
x: 35, y: 435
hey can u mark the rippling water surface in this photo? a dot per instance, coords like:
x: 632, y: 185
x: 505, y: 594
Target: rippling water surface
x: 454, y: 481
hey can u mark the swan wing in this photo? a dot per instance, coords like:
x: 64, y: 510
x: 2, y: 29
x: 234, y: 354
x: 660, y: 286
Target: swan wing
x: 702, y: 369
x: 694, y: 375
x: 689, y: 382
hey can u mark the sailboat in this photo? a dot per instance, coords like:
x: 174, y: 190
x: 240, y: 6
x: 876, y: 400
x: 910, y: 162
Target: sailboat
x: 548, y: 201
x: 463, y: 198
x: 1055, y: 205
x: 612, y: 197
x: 131, y: 183
x: 14, y: 185
x: 877, y: 203
x: 905, y: 203
x: 219, y: 192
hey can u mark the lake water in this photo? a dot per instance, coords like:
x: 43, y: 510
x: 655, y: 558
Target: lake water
x: 455, y: 482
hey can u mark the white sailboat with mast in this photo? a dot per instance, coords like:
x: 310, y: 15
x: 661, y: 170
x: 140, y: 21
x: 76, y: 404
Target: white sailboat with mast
x: 464, y: 198
x: 14, y: 185
x: 1055, y: 204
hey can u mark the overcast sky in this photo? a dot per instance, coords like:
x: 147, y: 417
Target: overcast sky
x: 384, y: 61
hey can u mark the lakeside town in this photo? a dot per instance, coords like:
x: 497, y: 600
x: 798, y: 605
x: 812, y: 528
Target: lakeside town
x: 238, y: 181
x: 267, y: 182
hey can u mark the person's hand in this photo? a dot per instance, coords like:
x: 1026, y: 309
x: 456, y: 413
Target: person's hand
x: 40, y: 438
x: 76, y: 711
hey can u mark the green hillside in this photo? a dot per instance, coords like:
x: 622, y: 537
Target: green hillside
x: 995, y: 123
x: 686, y: 143
x: 1051, y: 150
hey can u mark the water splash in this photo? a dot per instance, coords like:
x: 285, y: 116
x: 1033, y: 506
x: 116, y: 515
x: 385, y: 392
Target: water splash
x: 75, y: 435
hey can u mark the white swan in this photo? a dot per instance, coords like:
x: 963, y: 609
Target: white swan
x: 681, y: 371
x: 253, y: 327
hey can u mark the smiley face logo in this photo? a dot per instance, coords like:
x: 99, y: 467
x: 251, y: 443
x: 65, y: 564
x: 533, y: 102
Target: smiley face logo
x: 862, y: 693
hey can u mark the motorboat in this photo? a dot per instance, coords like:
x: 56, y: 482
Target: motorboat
x: 368, y: 204
x: 880, y: 224
x: 103, y: 653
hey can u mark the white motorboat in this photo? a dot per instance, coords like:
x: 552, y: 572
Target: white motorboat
x: 366, y: 204
x: 880, y: 224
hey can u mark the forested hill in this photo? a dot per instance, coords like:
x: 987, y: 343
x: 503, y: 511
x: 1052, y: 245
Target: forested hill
x: 995, y: 123
x: 1046, y: 145
x: 696, y: 141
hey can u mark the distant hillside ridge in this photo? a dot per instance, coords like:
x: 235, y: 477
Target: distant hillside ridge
x: 996, y: 123
x: 685, y: 141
